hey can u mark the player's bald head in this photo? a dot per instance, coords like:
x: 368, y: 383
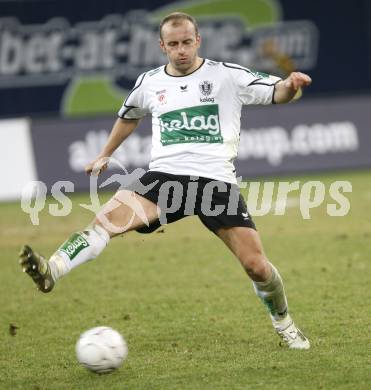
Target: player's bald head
x: 177, y: 19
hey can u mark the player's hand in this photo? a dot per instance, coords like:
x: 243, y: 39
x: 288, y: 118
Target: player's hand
x: 297, y: 80
x: 97, y: 166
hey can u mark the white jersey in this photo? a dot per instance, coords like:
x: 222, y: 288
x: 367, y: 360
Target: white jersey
x: 196, y: 118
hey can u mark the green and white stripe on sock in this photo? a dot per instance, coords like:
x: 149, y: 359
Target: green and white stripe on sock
x: 78, y: 249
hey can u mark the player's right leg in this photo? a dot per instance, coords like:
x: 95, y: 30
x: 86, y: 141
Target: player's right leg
x: 124, y: 212
x: 245, y: 243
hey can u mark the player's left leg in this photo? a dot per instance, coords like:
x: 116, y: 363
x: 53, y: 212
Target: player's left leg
x: 246, y: 245
x: 124, y: 212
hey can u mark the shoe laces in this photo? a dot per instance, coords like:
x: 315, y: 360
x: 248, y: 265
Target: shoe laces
x: 287, y: 334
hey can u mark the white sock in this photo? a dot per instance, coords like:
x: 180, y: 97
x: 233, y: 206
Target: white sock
x: 272, y: 293
x: 78, y: 249
x: 282, y: 323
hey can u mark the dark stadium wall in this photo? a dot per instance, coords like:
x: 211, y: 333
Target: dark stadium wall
x: 329, y: 40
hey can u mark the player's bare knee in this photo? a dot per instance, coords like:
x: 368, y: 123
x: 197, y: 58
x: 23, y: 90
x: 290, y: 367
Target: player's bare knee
x: 255, y: 264
x: 115, y: 217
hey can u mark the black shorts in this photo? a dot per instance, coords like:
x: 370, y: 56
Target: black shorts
x: 217, y: 204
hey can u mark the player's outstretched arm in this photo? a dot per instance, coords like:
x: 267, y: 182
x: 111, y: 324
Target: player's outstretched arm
x: 120, y: 131
x: 286, y: 89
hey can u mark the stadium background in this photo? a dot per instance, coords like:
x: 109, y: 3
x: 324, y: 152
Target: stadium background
x: 65, y: 68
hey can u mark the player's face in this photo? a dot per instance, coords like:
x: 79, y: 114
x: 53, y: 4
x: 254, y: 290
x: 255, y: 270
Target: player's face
x: 180, y: 43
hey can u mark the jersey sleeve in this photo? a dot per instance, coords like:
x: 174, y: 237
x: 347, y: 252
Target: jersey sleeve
x: 134, y: 106
x: 252, y: 87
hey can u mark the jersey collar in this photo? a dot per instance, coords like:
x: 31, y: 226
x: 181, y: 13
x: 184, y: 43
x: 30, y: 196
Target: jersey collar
x: 203, y: 61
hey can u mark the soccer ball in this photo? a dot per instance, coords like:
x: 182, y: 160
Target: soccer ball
x: 101, y: 349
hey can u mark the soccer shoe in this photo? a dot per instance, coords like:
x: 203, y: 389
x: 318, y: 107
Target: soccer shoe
x: 290, y: 334
x: 37, y: 267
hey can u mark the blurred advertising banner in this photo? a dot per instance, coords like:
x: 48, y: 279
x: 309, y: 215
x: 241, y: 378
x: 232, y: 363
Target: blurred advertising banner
x: 75, y: 59
x: 17, y: 158
x: 307, y: 136
x: 301, y: 137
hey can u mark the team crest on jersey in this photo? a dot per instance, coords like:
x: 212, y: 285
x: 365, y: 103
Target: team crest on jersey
x: 206, y: 87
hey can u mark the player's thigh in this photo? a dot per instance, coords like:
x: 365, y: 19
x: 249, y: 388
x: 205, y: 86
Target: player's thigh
x: 126, y: 211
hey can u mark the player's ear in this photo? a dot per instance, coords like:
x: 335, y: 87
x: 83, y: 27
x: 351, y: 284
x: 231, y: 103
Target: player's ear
x: 198, y: 41
x: 162, y: 45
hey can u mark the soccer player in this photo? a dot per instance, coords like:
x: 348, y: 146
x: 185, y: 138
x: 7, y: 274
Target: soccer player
x: 196, y: 106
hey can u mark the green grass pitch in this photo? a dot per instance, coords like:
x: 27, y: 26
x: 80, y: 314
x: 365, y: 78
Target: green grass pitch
x: 186, y: 308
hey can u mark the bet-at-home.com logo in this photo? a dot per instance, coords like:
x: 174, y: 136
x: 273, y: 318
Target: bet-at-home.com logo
x: 102, y: 58
x: 198, y: 124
